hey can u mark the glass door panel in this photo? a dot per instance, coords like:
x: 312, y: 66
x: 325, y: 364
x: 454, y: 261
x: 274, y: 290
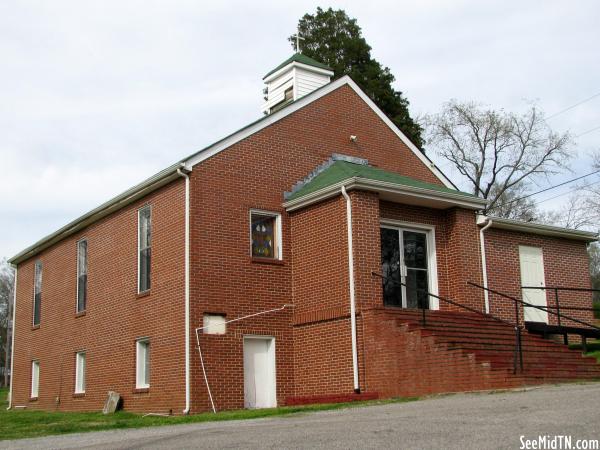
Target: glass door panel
x: 404, y: 260
x: 390, y: 267
x: 415, y: 260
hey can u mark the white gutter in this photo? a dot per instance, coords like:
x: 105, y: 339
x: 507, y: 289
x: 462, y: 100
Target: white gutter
x: 484, y: 265
x: 187, y: 291
x: 538, y: 228
x: 12, y: 351
x: 352, y: 297
x: 445, y: 199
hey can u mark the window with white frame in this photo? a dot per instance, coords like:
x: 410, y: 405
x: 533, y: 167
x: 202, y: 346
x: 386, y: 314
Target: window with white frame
x: 144, y: 248
x: 80, y: 361
x: 35, y: 378
x: 142, y: 367
x: 265, y: 234
x: 81, y: 275
x: 37, y: 293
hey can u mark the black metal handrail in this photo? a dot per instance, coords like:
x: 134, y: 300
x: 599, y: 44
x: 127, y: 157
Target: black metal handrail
x: 518, y: 352
x: 524, y: 303
x: 558, y: 307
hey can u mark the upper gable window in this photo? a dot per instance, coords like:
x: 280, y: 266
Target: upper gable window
x: 81, y: 275
x: 144, y: 248
x: 265, y: 234
x: 288, y: 94
x: 37, y: 293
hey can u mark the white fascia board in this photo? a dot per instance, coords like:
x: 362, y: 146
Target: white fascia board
x: 221, y: 145
x: 300, y: 65
x: 424, y: 159
x: 146, y: 187
x: 537, y: 228
x: 364, y: 184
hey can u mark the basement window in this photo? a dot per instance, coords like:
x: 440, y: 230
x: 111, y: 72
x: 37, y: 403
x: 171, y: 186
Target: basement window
x: 35, y: 378
x: 80, y: 361
x: 265, y: 234
x: 214, y: 324
x: 142, y: 365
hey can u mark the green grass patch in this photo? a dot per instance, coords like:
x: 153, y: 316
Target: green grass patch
x: 17, y: 424
x: 593, y: 349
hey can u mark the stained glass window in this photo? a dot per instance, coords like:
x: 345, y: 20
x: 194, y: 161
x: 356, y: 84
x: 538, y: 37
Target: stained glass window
x: 263, y: 233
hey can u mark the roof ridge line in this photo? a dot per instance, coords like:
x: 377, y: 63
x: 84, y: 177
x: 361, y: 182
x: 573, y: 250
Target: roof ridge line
x: 335, y: 157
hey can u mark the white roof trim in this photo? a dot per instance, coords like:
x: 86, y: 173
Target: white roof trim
x: 299, y: 65
x: 301, y: 103
x: 366, y: 184
x: 537, y: 228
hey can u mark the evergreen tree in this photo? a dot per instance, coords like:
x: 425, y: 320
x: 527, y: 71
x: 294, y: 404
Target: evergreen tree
x: 333, y: 38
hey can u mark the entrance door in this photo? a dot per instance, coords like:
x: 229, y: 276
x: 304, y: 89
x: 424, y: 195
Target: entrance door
x: 259, y: 372
x: 532, y: 274
x: 404, y: 259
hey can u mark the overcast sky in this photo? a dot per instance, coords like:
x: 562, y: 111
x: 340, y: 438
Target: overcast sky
x: 96, y: 96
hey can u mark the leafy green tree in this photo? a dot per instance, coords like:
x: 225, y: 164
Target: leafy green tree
x: 333, y: 38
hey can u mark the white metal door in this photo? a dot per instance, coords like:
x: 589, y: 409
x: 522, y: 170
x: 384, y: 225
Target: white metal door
x: 259, y: 372
x: 532, y: 274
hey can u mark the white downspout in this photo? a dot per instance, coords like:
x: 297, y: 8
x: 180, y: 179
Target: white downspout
x: 484, y: 265
x: 12, y: 351
x: 352, y: 298
x: 187, y: 291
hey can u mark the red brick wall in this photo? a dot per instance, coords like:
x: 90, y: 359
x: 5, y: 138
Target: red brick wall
x: 457, y: 249
x: 254, y: 173
x: 115, y: 315
x: 403, y: 363
x: 566, y: 263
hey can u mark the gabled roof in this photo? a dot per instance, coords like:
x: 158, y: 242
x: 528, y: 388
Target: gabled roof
x: 294, y: 106
x: 302, y: 59
x: 390, y: 186
x: 187, y: 164
x: 343, y: 170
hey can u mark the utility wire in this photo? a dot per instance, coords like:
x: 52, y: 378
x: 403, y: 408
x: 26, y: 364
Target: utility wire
x: 573, y: 106
x: 547, y: 189
x: 588, y: 131
x: 570, y: 191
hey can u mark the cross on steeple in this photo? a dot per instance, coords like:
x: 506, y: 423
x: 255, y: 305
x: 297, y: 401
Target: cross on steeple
x: 298, y: 39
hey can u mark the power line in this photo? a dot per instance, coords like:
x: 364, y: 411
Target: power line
x: 548, y: 188
x: 567, y: 192
x: 588, y: 131
x: 573, y: 106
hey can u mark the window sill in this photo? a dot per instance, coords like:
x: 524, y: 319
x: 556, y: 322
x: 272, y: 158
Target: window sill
x: 273, y: 261
x: 143, y: 294
x: 35, y: 327
x: 141, y: 390
x: 79, y: 395
x: 80, y: 314
x: 33, y: 399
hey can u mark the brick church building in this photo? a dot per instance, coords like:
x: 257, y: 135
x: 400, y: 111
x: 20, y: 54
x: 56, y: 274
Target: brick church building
x: 313, y: 255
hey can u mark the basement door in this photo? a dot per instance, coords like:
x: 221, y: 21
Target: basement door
x: 259, y: 372
x: 532, y: 274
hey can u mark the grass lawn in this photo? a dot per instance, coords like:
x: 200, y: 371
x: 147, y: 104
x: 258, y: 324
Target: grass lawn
x: 593, y: 348
x: 18, y: 424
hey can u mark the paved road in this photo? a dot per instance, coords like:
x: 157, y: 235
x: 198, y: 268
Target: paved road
x: 465, y: 421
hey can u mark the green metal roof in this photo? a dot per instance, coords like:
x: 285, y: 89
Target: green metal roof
x: 343, y: 170
x: 302, y: 59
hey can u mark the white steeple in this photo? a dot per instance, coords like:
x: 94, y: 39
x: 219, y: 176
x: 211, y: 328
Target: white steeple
x: 293, y: 79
